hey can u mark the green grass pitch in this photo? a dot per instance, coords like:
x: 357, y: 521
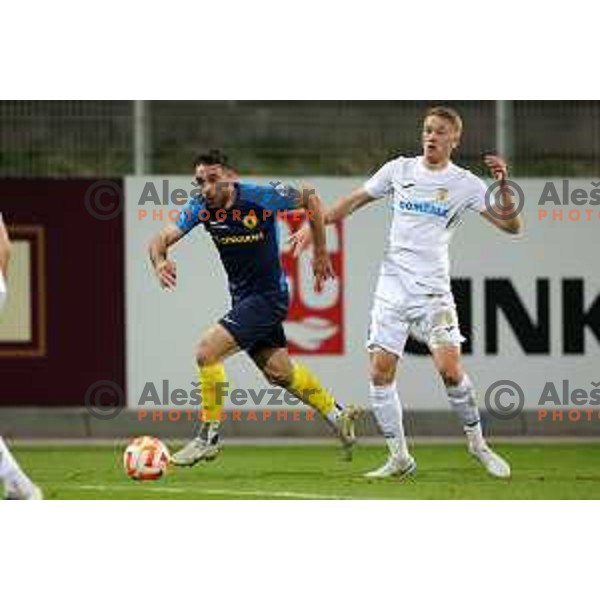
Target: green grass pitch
x: 540, y: 471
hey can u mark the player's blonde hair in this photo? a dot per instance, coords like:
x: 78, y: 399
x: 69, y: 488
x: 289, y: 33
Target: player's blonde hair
x: 448, y: 114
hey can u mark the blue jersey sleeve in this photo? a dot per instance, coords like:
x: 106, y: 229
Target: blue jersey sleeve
x: 189, y: 215
x: 274, y: 197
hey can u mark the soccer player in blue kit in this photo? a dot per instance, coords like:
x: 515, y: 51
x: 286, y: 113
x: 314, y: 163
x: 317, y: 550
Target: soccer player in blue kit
x: 241, y: 219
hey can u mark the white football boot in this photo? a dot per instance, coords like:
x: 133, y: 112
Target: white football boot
x: 494, y: 464
x: 345, y: 429
x: 206, y: 446
x: 395, y: 467
x: 32, y: 492
x: 196, y: 451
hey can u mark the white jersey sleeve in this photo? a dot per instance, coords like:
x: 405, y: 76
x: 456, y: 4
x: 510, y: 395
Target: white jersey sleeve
x: 477, y: 193
x: 381, y: 183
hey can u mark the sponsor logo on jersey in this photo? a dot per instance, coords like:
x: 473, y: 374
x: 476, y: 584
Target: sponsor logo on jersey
x: 424, y: 207
x: 240, y: 239
x: 218, y: 225
x: 442, y: 195
x: 250, y: 221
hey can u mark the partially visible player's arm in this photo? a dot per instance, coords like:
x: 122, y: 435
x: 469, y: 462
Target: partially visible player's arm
x: 346, y: 205
x: 339, y: 210
x: 165, y: 269
x: 5, y: 249
x: 378, y: 186
x: 513, y: 223
x: 322, y: 268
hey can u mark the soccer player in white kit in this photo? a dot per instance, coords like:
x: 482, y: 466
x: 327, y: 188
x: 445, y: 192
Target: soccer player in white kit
x: 413, y: 296
x: 17, y: 485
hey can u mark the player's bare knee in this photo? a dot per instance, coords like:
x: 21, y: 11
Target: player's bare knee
x: 382, y: 378
x: 383, y: 369
x: 452, y: 375
x: 278, y: 376
x: 205, y: 355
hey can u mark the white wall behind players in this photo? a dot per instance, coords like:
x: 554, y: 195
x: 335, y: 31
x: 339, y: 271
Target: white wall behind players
x: 162, y: 327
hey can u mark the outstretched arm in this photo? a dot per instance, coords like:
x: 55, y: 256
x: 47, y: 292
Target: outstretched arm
x: 513, y: 222
x: 339, y: 210
x: 378, y: 186
x: 158, y: 247
x: 346, y: 205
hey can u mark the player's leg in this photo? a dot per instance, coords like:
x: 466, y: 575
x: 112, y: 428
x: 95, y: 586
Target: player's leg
x: 250, y: 319
x: 444, y: 340
x: 462, y: 398
x: 387, y: 408
x: 275, y: 363
x: 3, y: 293
x: 387, y: 337
x: 214, y: 347
x: 17, y: 485
x: 257, y: 324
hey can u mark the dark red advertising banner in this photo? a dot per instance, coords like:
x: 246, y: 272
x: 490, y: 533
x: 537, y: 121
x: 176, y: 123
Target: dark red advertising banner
x: 62, y: 329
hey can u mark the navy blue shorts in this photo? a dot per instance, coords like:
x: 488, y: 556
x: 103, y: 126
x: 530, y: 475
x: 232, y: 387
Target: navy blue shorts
x: 256, y: 322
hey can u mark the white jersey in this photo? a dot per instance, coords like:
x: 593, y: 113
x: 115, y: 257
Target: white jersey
x: 427, y: 206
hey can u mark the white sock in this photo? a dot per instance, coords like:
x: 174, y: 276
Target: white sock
x: 10, y: 472
x: 333, y: 416
x: 209, y: 431
x: 475, y: 437
x: 388, y: 412
x: 463, y: 400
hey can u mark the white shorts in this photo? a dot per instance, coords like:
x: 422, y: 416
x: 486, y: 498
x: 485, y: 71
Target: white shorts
x: 431, y: 319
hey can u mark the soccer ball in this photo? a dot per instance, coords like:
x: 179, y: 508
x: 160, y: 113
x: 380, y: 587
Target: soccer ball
x: 146, y: 458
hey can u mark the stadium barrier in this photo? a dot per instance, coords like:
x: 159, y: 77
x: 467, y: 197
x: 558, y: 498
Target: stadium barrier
x: 528, y: 305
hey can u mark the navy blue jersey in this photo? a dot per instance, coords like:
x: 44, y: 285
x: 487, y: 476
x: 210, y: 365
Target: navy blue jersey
x: 246, y: 236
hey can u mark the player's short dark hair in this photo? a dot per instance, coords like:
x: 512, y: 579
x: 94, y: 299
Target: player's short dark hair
x: 212, y: 157
x: 448, y: 114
